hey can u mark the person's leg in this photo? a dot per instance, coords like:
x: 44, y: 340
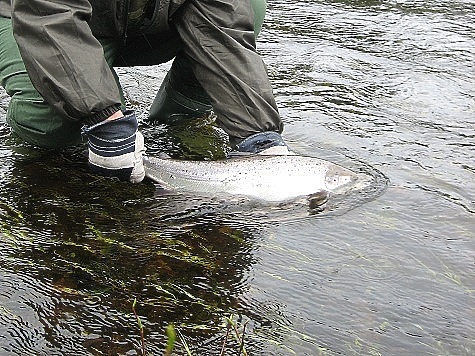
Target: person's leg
x: 259, y: 8
x: 218, y: 39
x: 111, y: 50
x: 180, y: 93
x: 30, y: 117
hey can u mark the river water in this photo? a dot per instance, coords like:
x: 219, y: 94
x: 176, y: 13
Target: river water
x: 385, y: 84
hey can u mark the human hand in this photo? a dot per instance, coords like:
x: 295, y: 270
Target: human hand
x: 116, y: 148
x: 263, y: 143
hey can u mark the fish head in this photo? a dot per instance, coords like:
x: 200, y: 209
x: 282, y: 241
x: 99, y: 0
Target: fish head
x: 338, y: 177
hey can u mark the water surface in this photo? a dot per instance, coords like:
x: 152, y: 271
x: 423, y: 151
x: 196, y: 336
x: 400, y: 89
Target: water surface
x: 387, y: 85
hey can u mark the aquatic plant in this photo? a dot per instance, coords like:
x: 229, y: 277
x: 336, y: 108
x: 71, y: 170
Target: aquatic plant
x: 139, y: 322
x: 232, y: 330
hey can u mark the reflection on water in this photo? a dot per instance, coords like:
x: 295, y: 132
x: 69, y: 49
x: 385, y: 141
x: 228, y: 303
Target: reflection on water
x: 395, y: 79
x: 377, y: 86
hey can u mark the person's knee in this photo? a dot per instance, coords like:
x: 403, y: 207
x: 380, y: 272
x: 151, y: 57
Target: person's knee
x: 35, y: 122
x: 31, y: 118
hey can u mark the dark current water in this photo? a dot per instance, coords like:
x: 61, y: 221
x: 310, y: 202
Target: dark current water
x: 385, y: 84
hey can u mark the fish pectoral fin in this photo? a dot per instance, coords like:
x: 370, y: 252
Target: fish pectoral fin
x: 158, y: 181
x: 317, y: 200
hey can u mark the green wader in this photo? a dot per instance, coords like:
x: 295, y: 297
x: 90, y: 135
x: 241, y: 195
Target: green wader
x: 180, y: 93
x: 35, y: 121
x: 28, y: 114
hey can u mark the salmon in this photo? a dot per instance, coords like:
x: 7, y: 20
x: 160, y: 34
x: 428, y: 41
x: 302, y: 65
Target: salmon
x: 265, y: 178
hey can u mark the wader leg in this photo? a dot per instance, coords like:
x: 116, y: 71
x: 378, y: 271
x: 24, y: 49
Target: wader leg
x: 30, y: 117
x: 180, y: 93
x: 259, y: 8
x: 111, y: 49
x: 218, y: 38
x: 28, y: 114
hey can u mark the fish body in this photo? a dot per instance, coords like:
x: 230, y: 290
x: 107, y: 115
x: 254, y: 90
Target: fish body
x: 265, y: 178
